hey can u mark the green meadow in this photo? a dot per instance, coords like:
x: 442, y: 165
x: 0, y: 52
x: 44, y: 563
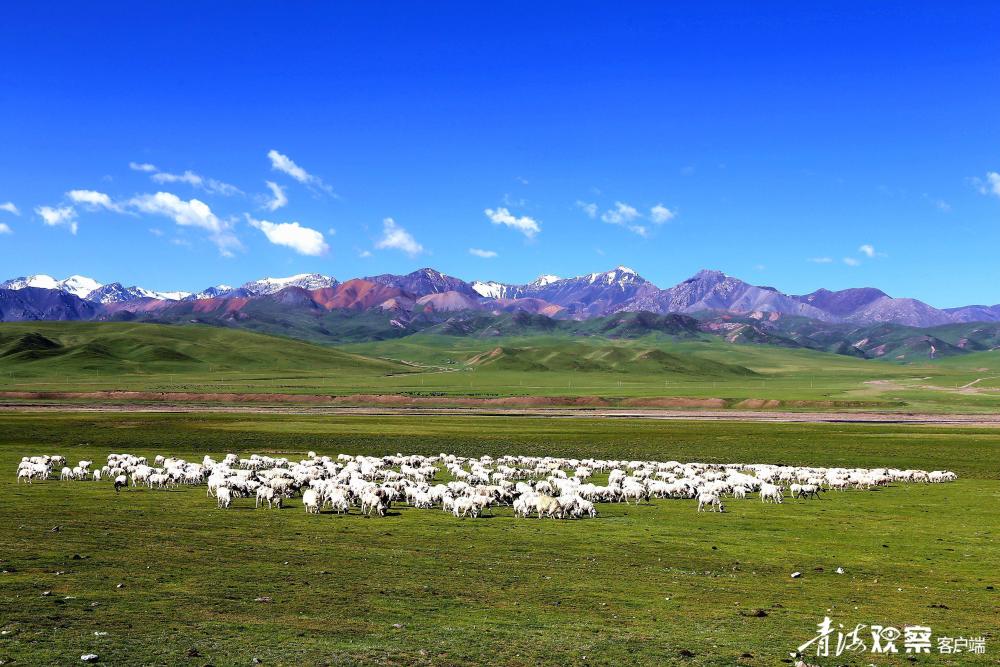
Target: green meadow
x: 656, y: 584
x: 89, y: 356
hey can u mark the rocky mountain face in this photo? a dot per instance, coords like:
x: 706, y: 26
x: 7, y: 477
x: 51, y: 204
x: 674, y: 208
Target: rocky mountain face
x: 36, y: 303
x: 975, y: 313
x: 424, y: 282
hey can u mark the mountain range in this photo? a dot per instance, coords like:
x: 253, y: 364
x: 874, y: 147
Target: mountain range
x: 582, y: 297
x: 320, y: 307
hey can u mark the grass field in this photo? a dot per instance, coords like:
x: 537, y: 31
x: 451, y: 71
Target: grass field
x: 655, y: 584
x: 89, y: 356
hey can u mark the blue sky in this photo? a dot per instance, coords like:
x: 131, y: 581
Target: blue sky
x: 790, y: 145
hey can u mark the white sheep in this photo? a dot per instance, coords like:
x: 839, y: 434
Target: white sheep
x: 224, y: 497
x: 310, y: 501
x: 711, y: 501
x: 770, y: 493
x: 265, y: 494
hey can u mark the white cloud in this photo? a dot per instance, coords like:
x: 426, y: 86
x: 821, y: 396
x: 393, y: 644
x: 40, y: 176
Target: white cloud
x: 990, y: 185
x: 587, y: 207
x: 993, y: 178
x: 868, y: 250
x: 209, y: 185
x: 625, y: 215
x: 286, y: 165
x: 5, y: 229
x: 53, y: 217
x: 142, y: 166
x: 521, y: 179
x: 850, y: 261
x: 485, y: 254
x: 278, y: 197
x: 10, y: 208
x: 821, y: 260
x: 501, y: 216
x: 93, y: 200
x: 188, y: 177
x: 193, y: 213
x: 302, y: 240
x: 621, y: 214
x: 397, y: 238
x: 365, y: 254
x: 661, y: 214
x: 942, y: 205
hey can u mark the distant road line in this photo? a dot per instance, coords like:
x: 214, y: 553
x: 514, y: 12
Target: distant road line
x: 984, y: 420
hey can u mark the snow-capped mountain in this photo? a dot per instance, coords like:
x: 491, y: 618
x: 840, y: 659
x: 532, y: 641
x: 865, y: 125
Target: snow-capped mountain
x: 89, y: 289
x: 621, y: 276
x: 494, y: 290
x: 114, y: 293
x: 166, y: 296
x: 118, y: 293
x: 216, y: 292
x: 543, y: 280
x: 79, y: 286
x: 593, y: 294
x: 307, y: 281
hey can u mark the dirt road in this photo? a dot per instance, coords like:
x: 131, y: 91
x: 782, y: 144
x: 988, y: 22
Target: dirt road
x: 983, y: 420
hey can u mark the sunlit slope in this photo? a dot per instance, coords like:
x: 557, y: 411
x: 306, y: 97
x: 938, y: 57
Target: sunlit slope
x: 68, y: 349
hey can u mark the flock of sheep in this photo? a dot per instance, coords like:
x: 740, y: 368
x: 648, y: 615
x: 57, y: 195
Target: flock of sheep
x: 549, y: 487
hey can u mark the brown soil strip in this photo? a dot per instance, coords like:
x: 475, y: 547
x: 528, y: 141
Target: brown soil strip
x: 500, y: 407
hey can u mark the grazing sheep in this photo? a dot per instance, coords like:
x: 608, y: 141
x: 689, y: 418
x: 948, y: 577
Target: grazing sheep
x: 339, y: 503
x: 769, y: 493
x: 372, y: 502
x: 552, y: 487
x: 524, y: 505
x: 585, y: 508
x: 809, y: 491
x: 548, y: 506
x: 711, y: 501
x: 465, y: 506
x: 310, y: 501
x: 224, y: 497
x: 265, y: 494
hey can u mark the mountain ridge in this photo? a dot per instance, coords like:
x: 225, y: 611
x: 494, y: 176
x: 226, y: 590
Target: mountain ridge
x: 597, y: 294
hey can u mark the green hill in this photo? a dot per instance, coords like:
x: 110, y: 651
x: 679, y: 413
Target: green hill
x: 603, y: 356
x: 72, y: 348
x: 89, y: 356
